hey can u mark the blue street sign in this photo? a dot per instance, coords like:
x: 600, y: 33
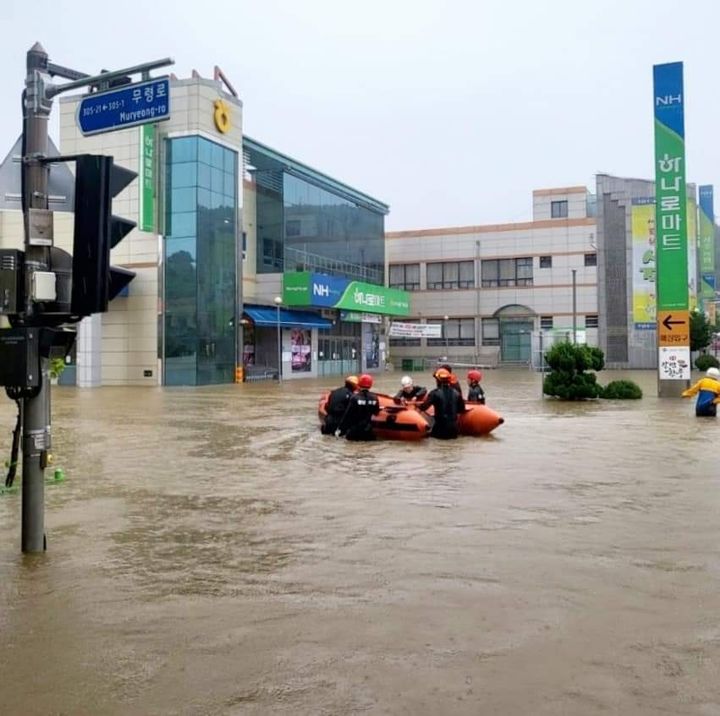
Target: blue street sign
x: 125, y: 107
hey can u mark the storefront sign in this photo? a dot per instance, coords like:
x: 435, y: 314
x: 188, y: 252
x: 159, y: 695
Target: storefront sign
x: 354, y: 317
x: 706, y: 244
x: 643, y: 252
x: 147, y: 178
x: 671, y: 209
x: 303, y: 288
x: 415, y: 330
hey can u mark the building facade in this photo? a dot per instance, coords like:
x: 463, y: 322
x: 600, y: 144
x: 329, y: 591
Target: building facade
x: 493, y: 289
x: 220, y: 220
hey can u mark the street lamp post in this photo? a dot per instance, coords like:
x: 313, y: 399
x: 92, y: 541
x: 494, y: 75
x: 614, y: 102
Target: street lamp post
x: 278, y: 302
x: 447, y: 342
x: 574, y: 305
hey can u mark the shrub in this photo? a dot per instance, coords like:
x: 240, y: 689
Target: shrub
x: 622, y: 390
x: 705, y: 361
x: 568, y: 379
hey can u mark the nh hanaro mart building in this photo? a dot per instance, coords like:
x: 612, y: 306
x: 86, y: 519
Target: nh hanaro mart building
x: 227, y: 231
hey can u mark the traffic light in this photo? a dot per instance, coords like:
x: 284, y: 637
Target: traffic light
x: 94, y: 282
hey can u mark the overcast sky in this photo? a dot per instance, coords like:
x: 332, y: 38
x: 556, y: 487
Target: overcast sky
x: 450, y: 112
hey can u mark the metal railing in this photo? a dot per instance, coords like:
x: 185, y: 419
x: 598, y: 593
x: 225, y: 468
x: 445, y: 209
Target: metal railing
x: 298, y: 260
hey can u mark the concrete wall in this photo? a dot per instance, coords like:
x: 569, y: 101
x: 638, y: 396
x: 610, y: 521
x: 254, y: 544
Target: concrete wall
x: 566, y: 241
x: 129, y: 331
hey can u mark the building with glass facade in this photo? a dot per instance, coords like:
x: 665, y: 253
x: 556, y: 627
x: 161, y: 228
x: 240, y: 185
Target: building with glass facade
x: 223, y: 223
x: 311, y: 241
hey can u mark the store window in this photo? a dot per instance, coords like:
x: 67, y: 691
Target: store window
x: 455, y: 332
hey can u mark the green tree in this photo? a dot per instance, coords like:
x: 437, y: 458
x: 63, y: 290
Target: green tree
x: 700, y: 331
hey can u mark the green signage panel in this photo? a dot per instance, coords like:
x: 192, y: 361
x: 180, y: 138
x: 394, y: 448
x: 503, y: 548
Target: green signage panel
x: 670, y: 190
x: 303, y: 288
x: 147, y: 178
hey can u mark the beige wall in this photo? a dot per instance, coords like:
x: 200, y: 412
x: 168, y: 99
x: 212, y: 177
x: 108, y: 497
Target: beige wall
x: 130, y: 328
x: 566, y: 241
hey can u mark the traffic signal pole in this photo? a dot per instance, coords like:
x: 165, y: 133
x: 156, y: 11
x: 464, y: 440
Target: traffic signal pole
x: 49, y: 298
x: 36, y: 410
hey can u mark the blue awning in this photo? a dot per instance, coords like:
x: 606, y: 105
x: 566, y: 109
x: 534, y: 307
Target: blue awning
x: 267, y: 316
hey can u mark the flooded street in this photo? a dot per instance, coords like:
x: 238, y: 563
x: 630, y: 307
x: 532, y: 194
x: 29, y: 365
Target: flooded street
x: 211, y: 553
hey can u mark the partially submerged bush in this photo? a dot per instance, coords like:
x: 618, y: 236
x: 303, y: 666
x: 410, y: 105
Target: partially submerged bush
x: 622, y: 390
x: 568, y: 379
x: 705, y: 361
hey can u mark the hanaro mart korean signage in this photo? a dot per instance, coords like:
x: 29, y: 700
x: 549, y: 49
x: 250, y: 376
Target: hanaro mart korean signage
x: 303, y: 288
x: 147, y: 178
x: 706, y: 245
x: 671, y: 223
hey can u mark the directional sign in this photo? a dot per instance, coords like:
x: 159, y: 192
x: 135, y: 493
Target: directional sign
x: 125, y: 107
x: 674, y: 328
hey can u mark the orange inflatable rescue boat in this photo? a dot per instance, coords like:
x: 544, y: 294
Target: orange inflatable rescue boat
x: 398, y: 422
x: 393, y: 422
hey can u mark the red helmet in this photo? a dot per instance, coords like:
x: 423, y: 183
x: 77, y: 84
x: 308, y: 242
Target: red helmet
x: 474, y: 375
x: 442, y: 375
x: 365, y: 381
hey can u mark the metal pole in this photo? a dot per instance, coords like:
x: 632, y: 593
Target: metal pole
x: 542, y: 365
x: 574, y: 305
x: 36, y: 410
x: 447, y: 342
x: 279, y: 342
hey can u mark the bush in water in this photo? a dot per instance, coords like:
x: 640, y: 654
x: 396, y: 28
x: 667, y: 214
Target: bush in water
x: 622, y: 390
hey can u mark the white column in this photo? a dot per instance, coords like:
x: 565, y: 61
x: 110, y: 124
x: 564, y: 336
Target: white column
x: 89, y: 352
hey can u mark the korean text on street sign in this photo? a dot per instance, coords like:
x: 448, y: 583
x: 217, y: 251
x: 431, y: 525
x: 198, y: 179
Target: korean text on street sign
x: 125, y: 107
x: 674, y: 328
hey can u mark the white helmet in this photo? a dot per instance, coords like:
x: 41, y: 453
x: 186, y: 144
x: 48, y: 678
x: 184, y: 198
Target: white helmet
x: 713, y: 373
x: 406, y: 381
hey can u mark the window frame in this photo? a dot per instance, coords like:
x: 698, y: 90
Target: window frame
x: 454, y: 332
x: 559, y: 209
x: 405, y: 285
x: 593, y: 259
x: 545, y: 262
x: 446, y: 281
x: 593, y: 317
x: 544, y: 321
x: 504, y: 278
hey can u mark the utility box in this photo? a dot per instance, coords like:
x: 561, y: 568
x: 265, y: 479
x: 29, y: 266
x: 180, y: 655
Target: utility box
x: 11, y: 281
x: 20, y: 357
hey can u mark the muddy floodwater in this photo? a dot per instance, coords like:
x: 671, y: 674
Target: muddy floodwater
x: 211, y: 553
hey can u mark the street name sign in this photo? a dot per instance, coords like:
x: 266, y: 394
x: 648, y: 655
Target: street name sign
x: 123, y: 107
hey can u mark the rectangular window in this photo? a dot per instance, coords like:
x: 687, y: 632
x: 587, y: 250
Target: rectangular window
x: 456, y: 332
x: 450, y: 274
x: 546, y: 262
x: 546, y: 323
x: 507, y: 272
x: 490, y: 332
x: 405, y: 276
x: 559, y: 209
x: 591, y: 259
x: 591, y: 321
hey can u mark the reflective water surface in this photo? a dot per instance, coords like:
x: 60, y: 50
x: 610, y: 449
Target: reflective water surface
x: 212, y: 553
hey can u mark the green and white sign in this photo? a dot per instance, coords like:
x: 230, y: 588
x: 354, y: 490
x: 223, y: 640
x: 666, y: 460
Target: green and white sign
x: 304, y: 288
x: 147, y: 178
x: 670, y: 189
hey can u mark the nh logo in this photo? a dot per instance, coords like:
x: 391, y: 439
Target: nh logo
x: 321, y: 290
x: 668, y: 99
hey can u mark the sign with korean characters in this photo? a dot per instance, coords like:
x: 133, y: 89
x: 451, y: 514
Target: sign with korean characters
x: 706, y: 243
x: 671, y: 225
x: 303, y: 288
x: 147, y: 178
x: 128, y: 106
x: 674, y: 328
